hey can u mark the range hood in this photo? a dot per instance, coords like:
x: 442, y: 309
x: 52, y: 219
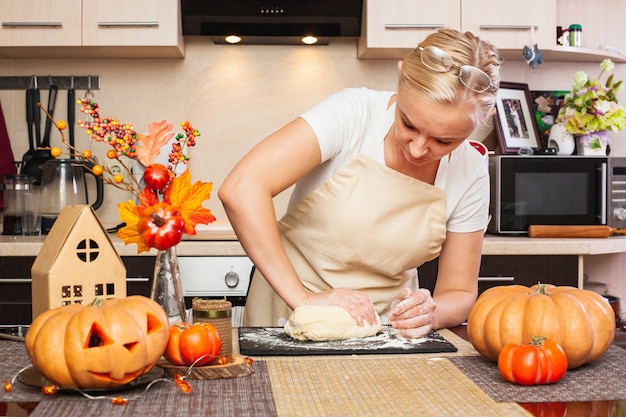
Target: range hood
x: 272, y: 22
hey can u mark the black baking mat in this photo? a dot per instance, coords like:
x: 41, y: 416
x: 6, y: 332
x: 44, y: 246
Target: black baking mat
x: 273, y: 341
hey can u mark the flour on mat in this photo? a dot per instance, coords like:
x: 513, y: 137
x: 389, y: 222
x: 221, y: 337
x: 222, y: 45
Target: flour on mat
x: 273, y: 340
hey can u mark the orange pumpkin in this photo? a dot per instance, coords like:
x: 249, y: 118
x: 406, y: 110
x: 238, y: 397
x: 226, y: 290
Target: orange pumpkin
x: 106, y: 344
x: 581, y: 321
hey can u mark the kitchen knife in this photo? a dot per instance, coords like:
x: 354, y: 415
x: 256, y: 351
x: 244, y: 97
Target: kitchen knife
x: 590, y: 231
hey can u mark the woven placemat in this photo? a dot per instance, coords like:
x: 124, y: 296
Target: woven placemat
x: 15, y: 358
x: 249, y: 396
x: 398, y: 386
x: 603, y: 379
x: 246, y: 396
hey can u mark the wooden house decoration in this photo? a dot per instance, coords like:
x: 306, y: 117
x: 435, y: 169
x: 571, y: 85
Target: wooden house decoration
x: 77, y: 263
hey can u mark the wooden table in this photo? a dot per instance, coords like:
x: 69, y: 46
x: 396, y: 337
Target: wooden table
x: 426, y: 384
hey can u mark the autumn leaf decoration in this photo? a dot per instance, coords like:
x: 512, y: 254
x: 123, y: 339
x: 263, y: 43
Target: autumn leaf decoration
x: 187, y: 198
x: 160, y: 133
x: 182, y: 199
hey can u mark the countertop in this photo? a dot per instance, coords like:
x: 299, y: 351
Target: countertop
x: 216, y: 240
x: 523, y: 245
x: 220, y: 240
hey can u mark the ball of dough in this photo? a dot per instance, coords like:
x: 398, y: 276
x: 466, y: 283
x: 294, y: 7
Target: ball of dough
x: 315, y: 322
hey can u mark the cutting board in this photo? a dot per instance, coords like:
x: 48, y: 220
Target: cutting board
x: 273, y: 341
x: 591, y: 231
x: 237, y: 367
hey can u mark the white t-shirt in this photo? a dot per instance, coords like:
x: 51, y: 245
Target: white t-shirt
x: 356, y: 120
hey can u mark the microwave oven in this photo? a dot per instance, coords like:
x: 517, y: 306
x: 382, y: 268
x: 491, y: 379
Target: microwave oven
x: 556, y: 190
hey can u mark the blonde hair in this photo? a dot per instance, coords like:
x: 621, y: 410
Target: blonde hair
x: 465, y: 49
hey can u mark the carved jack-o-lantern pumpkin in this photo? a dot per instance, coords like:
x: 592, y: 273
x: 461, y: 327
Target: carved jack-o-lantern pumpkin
x: 104, y: 345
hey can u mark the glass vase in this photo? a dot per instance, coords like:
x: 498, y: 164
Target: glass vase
x: 167, y: 290
x: 561, y: 140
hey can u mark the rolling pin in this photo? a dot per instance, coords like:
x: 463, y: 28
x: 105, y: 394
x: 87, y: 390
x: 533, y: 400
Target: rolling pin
x: 573, y: 231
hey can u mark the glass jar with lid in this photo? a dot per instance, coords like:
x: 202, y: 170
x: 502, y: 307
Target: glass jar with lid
x: 14, y: 188
x: 575, y: 35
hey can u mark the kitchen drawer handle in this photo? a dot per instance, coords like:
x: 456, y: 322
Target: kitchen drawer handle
x: 495, y: 279
x: 128, y: 24
x: 413, y: 26
x: 32, y: 24
x: 508, y: 27
x: 138, y: 279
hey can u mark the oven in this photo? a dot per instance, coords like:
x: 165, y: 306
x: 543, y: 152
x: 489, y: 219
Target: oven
x: 217, y: 277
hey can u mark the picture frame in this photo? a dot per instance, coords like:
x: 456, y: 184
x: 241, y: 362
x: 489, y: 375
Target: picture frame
x: 515, y: 124
x: 546, y: 104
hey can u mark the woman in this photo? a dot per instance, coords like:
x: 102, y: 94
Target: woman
x: 384, y: 183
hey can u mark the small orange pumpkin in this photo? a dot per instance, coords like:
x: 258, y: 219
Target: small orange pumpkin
x: 106, y: 344
x: 581, y: 321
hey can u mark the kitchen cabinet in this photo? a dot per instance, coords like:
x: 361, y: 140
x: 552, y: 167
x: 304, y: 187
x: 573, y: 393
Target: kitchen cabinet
x: 15, y: 290
x: 511, y: 25
x: 391, y: 30
x: 525, y: 270
x: 15, y: 285
x: 145, y: 23
x: 91, y: 28
x: 29, y: 23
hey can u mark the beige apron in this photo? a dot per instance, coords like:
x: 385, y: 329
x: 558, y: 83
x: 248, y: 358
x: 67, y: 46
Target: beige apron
x: 362, y: 229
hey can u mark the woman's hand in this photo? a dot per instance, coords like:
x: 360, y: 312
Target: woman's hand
x: 413, y: 314
x: 358, y: 304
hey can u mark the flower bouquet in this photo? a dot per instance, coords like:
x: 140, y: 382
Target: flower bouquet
x: 169, y: 204
x: 591, y: 109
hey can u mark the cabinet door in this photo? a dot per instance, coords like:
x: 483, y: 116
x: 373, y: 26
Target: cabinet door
x: 40, y: 23
x: 508, y: 24
x: 132, y: 23
x: 527, y: 270
x: 139, y: 272
x: 393, y: 28
x: 15, y: 290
